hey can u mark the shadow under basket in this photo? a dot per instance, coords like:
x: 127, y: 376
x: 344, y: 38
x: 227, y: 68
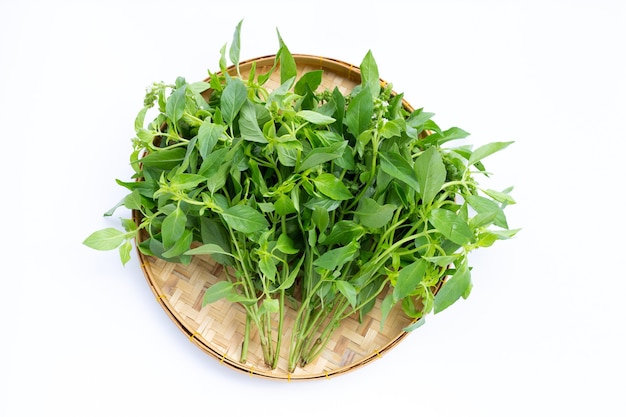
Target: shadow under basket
x: 218, y: 328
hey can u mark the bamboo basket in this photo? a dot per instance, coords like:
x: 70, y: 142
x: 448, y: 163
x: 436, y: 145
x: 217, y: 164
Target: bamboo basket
x: 218, y: 328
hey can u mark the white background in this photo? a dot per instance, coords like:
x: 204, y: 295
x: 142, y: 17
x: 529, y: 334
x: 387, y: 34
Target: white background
x: 542, y: 333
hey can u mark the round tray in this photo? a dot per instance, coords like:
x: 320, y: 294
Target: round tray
x: 218, y: 328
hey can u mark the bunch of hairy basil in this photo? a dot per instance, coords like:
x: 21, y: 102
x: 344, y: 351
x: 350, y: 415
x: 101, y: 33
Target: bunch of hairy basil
x: 313, y: 199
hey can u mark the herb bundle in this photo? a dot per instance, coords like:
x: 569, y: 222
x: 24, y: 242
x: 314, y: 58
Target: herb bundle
x: 312, y: 199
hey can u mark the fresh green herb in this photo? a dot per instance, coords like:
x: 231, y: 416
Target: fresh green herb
x: 313, y: 199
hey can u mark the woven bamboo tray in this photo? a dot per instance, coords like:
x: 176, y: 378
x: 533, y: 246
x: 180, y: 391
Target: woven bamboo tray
x: 218, y: 328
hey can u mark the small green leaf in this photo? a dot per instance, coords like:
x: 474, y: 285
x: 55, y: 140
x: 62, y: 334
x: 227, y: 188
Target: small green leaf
x: 395, y: 165
x: 487, y: 209
x: 164, y: 159
x: 235, y: 47
x: 216, y: 292
x: 133, y: 200
x: 288, y: 152
x: 208, y: 249
x: 415, y: 325
x: 308, y: 82
x: 442, y: 260
x: 212, y: 231
x: 291, y: 278
x: 233, y: 97
x: 431, y: 174
x: 288, y: 68
x: 173, y: 227
x: 373, y: 215
x: 125, y: 249
x: 315, y: 117
x: 385, y: 307
x: 284, y: 206
x: 320, y: 218
x: 486, y: 150
x: 500, y: 196
x: 337, y: 257
x: 359, y: 113
x: 248, y: 124
x: 269, y: 306
x: 105, y: 239
x: 451, y: 226
x: 347, y: 290
x: 208, y: 135
x: 344, y: 232
x: 438, y: 139
x: 332, y: 187
x: 318, y: 156
x: 369, y: 74
x: 408, y: 279
x: 453, y: 289
x: 245, y: 219
x: 285, y: 245
x: 267, y: 266
x: 180, y: 246
x: 393, y: 128
x: 175, y: 106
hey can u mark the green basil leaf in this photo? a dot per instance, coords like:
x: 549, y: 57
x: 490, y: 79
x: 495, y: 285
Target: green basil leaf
x: 395, y: 165
x: 180, y: 246
x: 486, y: 150
x: 173, y: 227
x: 373, y: 215
x: 321, y: 155
x: 133, y: 200
x: 415, y: 325
x: 285, y: 245
x: 487, y: 209
x: 291, y: 278
x: 288, y: 152
x: 500, y: 196
x: 315, y: 117
x: 245, y: 219
x: 450, y: 225
x: 164, y: 159
x: 208, y: 135
x: 175, y: 105
x: 408, y: 279
x: 320, y: 218
x: 217, y: 291
x: 453, y: 289
x: 385, y: 308
x: 440, y: 138
x: 269, y: 306
x: 347, y: 290
x: 369, y: 74
x: 335, y: 258
x: 105, y: 239
x: 248, y: 124
x: 344, y: 232
x: 359, y: 113
x: 431, y: 174
x: 308, y: 82
x: 235, y: 47
x: 208, y: 249
x: 288, y: 68
x: 233, y: 97
x: 267, y: 266
x: 213, y: 232
x: 332, y: 187
x: 284, y: 206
